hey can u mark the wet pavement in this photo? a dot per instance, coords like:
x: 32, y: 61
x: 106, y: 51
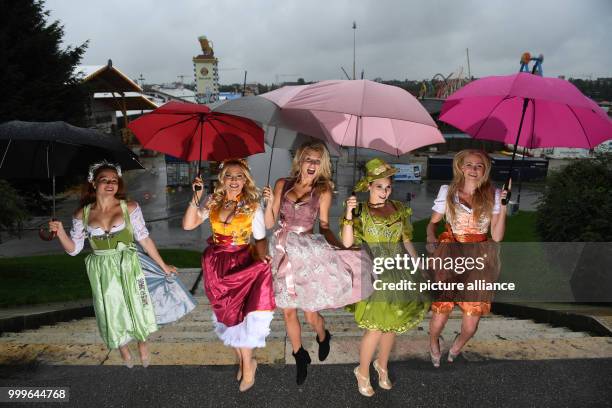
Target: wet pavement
x: 163, y: 209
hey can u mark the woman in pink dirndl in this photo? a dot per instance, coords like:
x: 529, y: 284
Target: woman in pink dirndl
x: 309, y: 273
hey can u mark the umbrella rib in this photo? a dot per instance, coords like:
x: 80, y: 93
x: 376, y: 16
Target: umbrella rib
x: 581, y: 127
x: 354, y: 114
x: 191, y: 116
x: 191, y: 138
x: 220, y: 136
x: 5, y: 152
x: 227, y: 123
x: 489, y: 115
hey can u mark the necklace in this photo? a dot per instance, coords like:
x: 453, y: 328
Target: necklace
x: 378, y: 205
x: 228, y: 204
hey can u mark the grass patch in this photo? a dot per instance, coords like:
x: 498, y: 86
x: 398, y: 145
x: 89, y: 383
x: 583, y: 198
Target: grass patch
x: 57, y: 278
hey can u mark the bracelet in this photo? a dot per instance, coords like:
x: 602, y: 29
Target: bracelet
x: 192, y: 204
x: 346, y: 221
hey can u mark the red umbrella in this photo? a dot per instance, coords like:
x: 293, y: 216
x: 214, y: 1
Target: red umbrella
x: 193, y: 132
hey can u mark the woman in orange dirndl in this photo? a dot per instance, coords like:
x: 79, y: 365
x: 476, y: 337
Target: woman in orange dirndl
x: 472, y: 207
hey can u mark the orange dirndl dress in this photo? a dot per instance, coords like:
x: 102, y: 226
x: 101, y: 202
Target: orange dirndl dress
x: 465, y: 237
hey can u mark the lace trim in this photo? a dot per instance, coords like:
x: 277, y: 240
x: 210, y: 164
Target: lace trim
x: 369, y: 325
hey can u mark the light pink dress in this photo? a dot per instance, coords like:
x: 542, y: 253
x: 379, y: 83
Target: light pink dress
x: 309, y: 273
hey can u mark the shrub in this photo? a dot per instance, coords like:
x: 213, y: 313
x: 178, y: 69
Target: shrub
x: 12, y: 213
x: 577, y: 205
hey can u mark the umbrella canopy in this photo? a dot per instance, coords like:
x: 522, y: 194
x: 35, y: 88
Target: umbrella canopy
x: 362, y: 113
x: 47, y: 149
x: 35, y: 150
x: 553, y: 112
x: 283, y: 129
x: 193, y: 132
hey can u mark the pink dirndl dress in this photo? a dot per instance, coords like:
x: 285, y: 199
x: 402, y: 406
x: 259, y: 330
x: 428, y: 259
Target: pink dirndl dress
x: 308, y: 272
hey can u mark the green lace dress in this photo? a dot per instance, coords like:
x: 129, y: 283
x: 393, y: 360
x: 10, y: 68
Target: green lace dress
x: 120, y: 296
x: 388, y: 310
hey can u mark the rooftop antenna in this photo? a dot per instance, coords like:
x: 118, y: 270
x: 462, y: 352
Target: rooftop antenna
x: 347, y: 75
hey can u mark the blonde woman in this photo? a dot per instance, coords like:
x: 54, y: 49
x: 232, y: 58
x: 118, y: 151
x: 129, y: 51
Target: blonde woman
x: 238, y: 284
x: 472, y: 207
x: 309, y: 273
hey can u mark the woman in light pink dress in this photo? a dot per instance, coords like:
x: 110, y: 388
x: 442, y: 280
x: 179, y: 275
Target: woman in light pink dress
x: 309, y: 273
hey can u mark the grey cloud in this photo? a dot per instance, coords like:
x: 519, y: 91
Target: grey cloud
x: 395, y: 39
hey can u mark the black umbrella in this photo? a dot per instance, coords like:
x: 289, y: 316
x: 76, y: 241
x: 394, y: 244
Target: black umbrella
x: 44, y: 150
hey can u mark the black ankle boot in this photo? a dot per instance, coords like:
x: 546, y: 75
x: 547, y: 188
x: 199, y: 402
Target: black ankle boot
x: 302, y: 359
x: 324, y: 346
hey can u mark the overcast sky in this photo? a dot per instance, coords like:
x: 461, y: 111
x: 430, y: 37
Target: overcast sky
x: 313, y: 39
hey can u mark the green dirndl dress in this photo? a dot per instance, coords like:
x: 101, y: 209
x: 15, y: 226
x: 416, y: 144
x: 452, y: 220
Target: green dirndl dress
x: 388, y: 310
x: 121, y: 300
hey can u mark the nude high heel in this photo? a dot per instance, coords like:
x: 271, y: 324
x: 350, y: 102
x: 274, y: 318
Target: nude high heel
x: 363, y: 384
x: 383, y: 377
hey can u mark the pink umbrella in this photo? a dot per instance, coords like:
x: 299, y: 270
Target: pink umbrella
x: 553, y: 112
x: 363, y: 113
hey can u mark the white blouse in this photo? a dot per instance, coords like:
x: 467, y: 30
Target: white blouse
x: 440, y: 201
x: 77, y: 233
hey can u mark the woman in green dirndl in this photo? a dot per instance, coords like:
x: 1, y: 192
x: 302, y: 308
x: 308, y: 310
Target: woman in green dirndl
x: 384, y: 226
x: 121, y: 300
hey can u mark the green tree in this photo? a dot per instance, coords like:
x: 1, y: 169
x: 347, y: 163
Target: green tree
x: 11, y: 208
x: 37, y: 75
x: 576, y: 205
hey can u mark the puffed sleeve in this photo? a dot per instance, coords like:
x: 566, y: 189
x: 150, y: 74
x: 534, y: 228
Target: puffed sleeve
x: 77, y: 234
x: 497, y: 202
x: 259, y: 226
x: 138, y: 224
x: 204, y: 211
x: 406, y: 224
x: 440, y: 201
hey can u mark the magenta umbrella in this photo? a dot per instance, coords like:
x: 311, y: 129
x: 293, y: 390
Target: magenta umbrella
x: 364, y: 114
x: 529, y: 111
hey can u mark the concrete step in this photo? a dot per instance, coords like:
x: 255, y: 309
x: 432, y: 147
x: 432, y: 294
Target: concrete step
x: 192, y: 341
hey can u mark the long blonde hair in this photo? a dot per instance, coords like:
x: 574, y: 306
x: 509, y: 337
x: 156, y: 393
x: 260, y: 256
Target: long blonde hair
x: 323, y: 180
x: 482, y: 200
x: 250, y: 192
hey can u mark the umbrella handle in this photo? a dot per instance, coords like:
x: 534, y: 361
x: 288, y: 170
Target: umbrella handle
x: 45, y: 234
x: 357, y: 211
x: 504, y: 201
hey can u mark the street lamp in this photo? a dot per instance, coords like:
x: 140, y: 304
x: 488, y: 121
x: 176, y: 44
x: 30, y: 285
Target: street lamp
x: 354, y: 36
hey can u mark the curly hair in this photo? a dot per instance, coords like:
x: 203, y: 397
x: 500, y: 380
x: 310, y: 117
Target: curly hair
x: 250, y: 193
x: 323, y: 178
x: 482, y: 201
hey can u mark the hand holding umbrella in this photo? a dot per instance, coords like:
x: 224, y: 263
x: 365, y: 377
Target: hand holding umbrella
x: 506, y: 192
